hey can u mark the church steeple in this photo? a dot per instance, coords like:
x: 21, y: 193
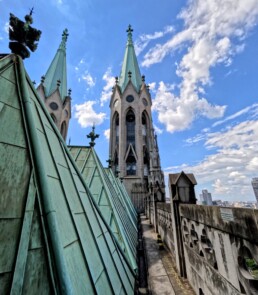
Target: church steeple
x: 56, y: 73
x: 134, y: 155
x: 130, y: 69
x: 53, y: 89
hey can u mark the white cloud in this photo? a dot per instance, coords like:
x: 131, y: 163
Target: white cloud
x: 87, y: 116
x: 107, y: 89
x: 253, y: 108
x: 152, y: 86
x: 83, y: 74
x: 232, y: 165
x: 178, y: 113
x: 107, y: 133
x: 157, y: 129
x: 144, y: 39
x: 90, y: 81
x: 213, y: 33
x: 6, y: 27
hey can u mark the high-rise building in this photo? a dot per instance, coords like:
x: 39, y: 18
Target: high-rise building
x: 255, y: 187
x: 53, y: 89
x: 134, y: 153
x: 205, y: 198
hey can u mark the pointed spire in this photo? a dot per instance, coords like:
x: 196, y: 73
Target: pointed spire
x: 57, y: 70
x: 130, y: 64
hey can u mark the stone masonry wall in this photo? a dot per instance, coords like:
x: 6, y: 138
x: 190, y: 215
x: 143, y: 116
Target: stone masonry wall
x: 218, y: 244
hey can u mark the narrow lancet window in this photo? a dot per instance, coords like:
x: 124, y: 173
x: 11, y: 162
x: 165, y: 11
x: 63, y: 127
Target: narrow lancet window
x: 130, y: 128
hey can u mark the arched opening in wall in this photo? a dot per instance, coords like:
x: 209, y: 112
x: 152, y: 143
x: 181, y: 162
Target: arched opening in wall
x: 242, y: 289
x: 247, y: 262
x: 215, y: 265
x: 116, y: 164
x: 131, y: 164
x: 146, y: 163
x: 130, y: 128
x: 194, y: 235
x: 144, y: 129
x: 115, y: 127
x: 201, y: 254
x: 53, y: 117
x: 185, y: 232
x: 63, y: 129
x: 201, y: 291
x: 206, y: 241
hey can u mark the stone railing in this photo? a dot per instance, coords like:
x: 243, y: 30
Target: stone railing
x: 164, y: 224
x: 219, y: 246
x: 220, y: 249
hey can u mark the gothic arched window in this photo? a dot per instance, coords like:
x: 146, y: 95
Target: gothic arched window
x: 131, y: 164
x: 144, y: 129
x: 130, y: 128
x: 63, y: 129
x: 115, y: 129
x: 53, y: 117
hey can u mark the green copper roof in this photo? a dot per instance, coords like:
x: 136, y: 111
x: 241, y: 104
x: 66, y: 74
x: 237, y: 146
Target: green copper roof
x: 130, y: 64
x: 112, y: 205
x: 122, y: 194
x: 53, y: 237
x: 57, y: 70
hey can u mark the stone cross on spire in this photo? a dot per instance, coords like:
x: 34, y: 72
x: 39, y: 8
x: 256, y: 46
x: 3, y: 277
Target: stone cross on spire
x: 64, y: 39
x: 129, y: 33
x: 92, y: 135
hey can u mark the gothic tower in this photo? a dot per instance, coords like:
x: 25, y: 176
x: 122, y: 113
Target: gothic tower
x: 53, y: 89
x: 134, y: 154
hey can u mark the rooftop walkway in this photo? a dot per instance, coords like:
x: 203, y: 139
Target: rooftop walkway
x: 163, y: 278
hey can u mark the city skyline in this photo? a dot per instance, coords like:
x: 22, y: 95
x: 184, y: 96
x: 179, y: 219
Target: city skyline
x: 199, y: 60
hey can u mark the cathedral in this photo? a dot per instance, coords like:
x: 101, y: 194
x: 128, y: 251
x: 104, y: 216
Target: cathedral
x: 133, y: 149
x: 69, y: 225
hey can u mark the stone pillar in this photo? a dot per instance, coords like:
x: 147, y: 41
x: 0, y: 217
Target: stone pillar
x: 181, y: 187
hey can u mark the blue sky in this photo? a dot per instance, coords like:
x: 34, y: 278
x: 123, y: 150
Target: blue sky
x: 200, y: 59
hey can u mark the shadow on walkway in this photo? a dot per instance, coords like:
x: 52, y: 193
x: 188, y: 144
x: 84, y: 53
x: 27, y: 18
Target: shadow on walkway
x: 162, y: 275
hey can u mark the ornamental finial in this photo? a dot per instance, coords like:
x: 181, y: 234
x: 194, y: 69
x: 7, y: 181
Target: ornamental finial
x: 92, y: 135
x: 23, y: 35
x: 64, y: 39
x: 109, y: 161
x: 129, y: 33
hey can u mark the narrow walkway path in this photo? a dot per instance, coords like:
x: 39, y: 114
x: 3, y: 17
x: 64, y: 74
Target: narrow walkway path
x: 162, y: 275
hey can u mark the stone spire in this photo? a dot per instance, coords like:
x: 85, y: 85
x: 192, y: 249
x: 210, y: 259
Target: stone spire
x: 57, y: 70
x: 130, y: 69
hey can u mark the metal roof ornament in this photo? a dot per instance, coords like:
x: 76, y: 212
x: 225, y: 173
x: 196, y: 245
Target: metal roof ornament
x: 23, y: 35
x: 130, y: 75
x: 143, y: 78
x: 64, y: 39
x: 42, y: 79
x: 69, y: 92
x: 92, y: 135
x: 129, y: 33
x: 109, y: 161
x: 58, y: 82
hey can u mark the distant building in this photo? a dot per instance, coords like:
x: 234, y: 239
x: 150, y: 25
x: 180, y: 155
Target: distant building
x: 255, y: 187
x: 205, y: 198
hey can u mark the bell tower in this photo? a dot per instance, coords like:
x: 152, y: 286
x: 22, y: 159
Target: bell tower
x: 134, y: 154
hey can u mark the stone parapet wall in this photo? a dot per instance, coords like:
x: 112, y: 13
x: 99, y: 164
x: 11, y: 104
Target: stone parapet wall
x: 218, y: 243
x: 164, y: 223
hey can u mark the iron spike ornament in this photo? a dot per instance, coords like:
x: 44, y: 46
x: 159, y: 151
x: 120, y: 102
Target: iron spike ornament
x: 92, y: 135
x: 23, y: 35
